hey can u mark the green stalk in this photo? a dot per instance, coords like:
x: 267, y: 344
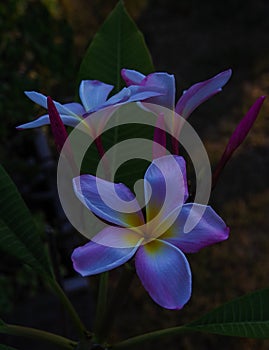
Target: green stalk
x: 128, y: 343
x: 83, y: 333
x: 33, y: 333
x: 101, y: 305
x: 118, y: 298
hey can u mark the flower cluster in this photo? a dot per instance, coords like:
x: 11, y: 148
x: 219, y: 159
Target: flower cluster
x: 158, y: 238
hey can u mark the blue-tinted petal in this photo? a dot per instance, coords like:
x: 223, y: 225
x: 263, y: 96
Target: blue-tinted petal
x: 165, y: 83
x: 209, y: 228
x: 112, y: 202
x: 94, y: 258
x: 165, y: 187
x: 131, y: 94
x: 93, y: 93
x: 165, y: 273
x: 44, y: 120
x: 41, y: 100
x: 140, y: 93
x: 132, y: 77
x: 201, y: 92
x: 76, y: 108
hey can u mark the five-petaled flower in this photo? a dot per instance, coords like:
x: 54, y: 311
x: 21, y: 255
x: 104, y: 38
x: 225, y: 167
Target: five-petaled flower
x: 158, y: 241
x: 190, y: 99
x: 94, y: 96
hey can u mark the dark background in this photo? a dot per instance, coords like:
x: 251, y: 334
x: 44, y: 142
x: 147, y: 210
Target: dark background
x: 42, y: 43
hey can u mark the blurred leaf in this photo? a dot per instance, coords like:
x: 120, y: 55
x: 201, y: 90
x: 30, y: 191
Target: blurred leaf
x: 18, y: 233
x: 247, y: 316
x: 118, y: 44
x: 5, y: 347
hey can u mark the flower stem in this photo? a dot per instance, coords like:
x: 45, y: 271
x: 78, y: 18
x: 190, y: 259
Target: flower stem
x: 116, y: 301
x: 70, y: 309
x: 101, y: 305
x: 128, y: 343
x: 38, y: 334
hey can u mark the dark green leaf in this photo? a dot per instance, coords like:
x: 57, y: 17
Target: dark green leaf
x: 247, y: 316
x: 118, y: 44
x: 18, y: 232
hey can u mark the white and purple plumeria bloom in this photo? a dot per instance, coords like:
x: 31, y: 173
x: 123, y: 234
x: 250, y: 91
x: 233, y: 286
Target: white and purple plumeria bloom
x: 191, y: 98
x: 94, y: 96
x: 159, y: 240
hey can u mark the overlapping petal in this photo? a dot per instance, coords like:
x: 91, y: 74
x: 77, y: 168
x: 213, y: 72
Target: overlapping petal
x: 94, y: 258
x: 131, y: 94
x: 165, y: 186
x: 209, y: 229
x: 132, y: 77
x: 165, y: 273
x: 41, y: 100
x: 201, y: 92
x: 163, y: 82
x: 93, y: 93
x: 112, y: 202
x: 166, y: 83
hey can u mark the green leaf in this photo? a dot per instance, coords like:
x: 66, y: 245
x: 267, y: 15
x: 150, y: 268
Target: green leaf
x: 118, y: 44
x: 18, y: 232
x: 247, y: 316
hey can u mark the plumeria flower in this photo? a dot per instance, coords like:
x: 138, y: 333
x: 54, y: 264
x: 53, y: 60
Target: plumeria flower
x: 94, y: 96
x: 191, y: 98
x: 188, y: 102
x: 159, y: 240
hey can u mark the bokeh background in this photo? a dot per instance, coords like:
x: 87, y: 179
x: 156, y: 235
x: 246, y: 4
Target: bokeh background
x: 42, y: 44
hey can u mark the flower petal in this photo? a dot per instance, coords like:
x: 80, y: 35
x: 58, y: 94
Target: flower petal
x: 76, y: 108
x: 94, y: 258
x: 165, y: 187
x: 44, y: 120
x: 165, y: 83
x: 209, y: 230
x: 118, y: 237
x: 238, y: 136
x: 93, y: 93
x: 131, y: 94
x: 41, y: 100
x: 165, y: 273
x: 112, y: 202
x: 132, y: 77
x: 201, y: 92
